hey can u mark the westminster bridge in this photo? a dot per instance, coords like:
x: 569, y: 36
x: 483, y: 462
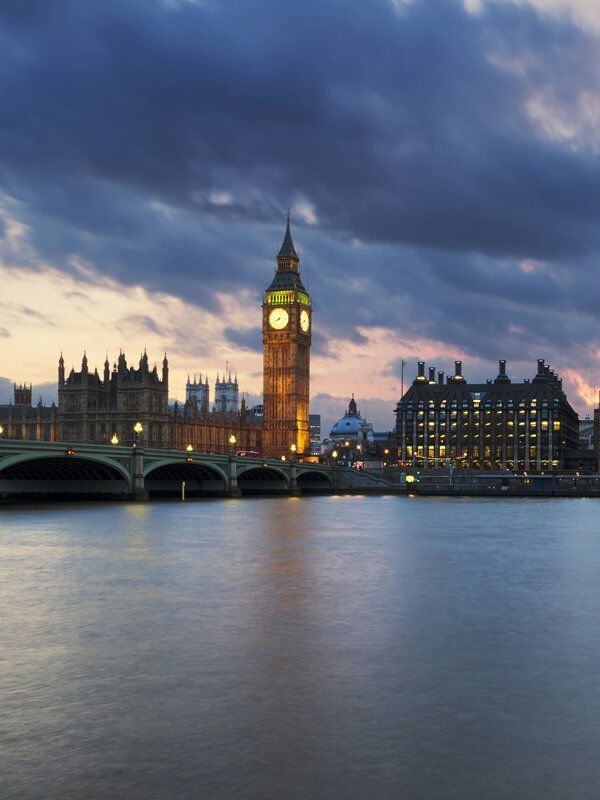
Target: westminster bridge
x: 45, y: 469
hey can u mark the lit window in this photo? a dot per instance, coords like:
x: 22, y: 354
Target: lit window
x: 556, y: 425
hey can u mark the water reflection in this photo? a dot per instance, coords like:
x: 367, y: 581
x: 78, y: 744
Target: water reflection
x: 320, y: 647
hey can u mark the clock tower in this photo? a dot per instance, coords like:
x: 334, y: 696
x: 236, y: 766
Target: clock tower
x: 287, y: 325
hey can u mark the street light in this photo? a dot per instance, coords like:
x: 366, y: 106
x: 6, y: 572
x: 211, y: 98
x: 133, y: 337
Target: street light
x: 189, y: 448
x: 137, y: 429
x: 232, y: 441
x: 334, y: 454
x: 115, y: 439
x: 1, y: 430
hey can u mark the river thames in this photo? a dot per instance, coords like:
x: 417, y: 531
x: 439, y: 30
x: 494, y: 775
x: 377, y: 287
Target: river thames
x: 324, y: 647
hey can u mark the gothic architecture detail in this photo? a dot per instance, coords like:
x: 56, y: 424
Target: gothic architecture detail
x: 286, y: 327
x: 98, y: 409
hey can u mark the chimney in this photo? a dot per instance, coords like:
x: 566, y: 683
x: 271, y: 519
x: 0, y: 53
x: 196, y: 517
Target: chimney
x: 502, y: 377
x: 431, y: 374
x: 540, y: 366
x: 421, y: 373
x: 458, y: 371
x: 441, y: 381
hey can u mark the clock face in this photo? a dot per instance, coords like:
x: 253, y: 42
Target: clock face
x: 278, y: 318
x: 304, y: 321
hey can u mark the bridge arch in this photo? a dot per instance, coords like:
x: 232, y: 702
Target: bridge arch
x: 311, y: 481
x: 61, y: 474
x: 262, y: 479
x: 165, y: 477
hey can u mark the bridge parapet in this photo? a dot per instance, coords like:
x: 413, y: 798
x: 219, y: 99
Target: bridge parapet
x: 50, y: 468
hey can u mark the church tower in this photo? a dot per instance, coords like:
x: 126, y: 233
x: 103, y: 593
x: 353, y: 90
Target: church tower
x: 287, y: 325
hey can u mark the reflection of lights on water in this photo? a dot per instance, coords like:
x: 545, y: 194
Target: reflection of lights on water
x: 137, y: 509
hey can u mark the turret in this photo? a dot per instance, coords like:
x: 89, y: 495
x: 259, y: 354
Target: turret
x: 61, y: 370
x: 106, y: 369
x: 165, y: 371
x: 84, y: 364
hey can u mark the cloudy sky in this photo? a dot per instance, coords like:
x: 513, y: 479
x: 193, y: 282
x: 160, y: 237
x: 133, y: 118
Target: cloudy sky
x: 440, y: 158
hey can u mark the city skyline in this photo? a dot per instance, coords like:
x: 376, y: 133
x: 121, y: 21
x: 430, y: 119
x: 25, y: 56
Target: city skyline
x: 443, y: 203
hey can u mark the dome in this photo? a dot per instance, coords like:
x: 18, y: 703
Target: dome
x: 350, y: 424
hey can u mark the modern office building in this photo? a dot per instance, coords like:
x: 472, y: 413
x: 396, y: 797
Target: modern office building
x: 495, y: 425
x: 314, y: 426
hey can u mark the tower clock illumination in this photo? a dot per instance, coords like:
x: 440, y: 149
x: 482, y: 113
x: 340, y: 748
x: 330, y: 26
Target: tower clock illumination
x: 304, y: 321
x: 279, y: 318
x: 286, y: 357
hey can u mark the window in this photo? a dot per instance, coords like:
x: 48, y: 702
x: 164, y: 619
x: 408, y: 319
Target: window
x: 556, y: 425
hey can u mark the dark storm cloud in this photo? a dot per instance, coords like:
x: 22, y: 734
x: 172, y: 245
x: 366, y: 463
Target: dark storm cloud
x: 245, y: 339
x: 160, y: 142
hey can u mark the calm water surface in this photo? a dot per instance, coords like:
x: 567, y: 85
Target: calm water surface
x: 315, y: 648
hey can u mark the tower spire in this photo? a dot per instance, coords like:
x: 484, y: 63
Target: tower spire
x: 287, y: 249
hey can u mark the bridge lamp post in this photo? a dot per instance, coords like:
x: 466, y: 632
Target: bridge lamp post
x: 189, y: 448
x: 293, y: 449
x: 115, y: 439
x: 1, y: 430
x: 137, y: 429
x: 232, y: 441
x: 334, y: 455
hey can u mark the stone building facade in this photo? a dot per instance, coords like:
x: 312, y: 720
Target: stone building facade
x: 100, y: 409
x: 22, y: 420
x: 287, y: 330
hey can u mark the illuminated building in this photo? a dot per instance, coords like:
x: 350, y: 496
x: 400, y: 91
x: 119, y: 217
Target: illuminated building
x: 95, y: 409
x: 286, y: 327
x: 495, y: 425
x: 314, y: 422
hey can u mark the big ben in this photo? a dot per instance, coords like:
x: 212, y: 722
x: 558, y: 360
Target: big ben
x: 287, y: 323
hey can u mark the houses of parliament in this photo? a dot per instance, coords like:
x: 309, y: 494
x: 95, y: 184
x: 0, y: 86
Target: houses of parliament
x: 103, y: 407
